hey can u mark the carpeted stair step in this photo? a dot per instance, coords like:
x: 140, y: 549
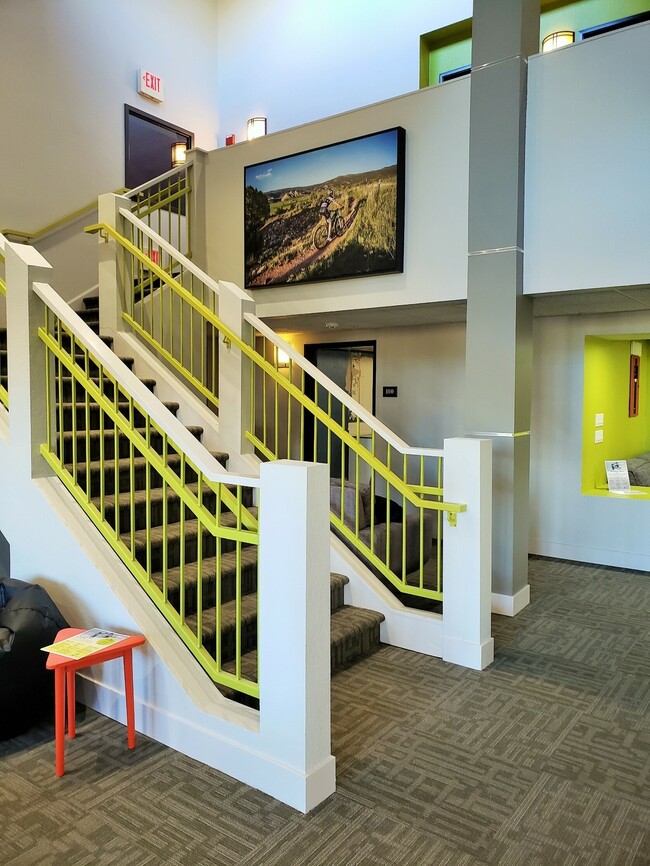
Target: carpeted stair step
x: 80, y: 391
x: 354, y: 634
x: 338, y: 583
x: 157, y: 499
x: 140, y: 472
x: 208, y: 579
x: 228, y: 622
x: 179, y: 541
x: 93, y: 441
x: 89, y: 418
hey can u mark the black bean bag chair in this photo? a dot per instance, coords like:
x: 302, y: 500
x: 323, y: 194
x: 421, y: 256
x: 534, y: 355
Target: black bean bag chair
x: 29, y: 620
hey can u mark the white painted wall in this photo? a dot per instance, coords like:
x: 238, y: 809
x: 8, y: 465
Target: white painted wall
x: 68, y: 67
x: 427, y: 364
x: 587, y: 205
x: 294, y: 61
x: 435, y: 243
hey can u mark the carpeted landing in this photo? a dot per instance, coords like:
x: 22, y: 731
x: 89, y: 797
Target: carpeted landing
x: 543, y: 759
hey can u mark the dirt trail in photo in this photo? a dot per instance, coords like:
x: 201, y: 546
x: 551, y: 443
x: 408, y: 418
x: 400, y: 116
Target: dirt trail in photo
x: 281, y: 273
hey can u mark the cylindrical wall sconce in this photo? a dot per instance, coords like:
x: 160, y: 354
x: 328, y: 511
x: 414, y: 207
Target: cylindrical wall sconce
x: 179, y: 153
x: 558, y: 40
x: 256, y: 127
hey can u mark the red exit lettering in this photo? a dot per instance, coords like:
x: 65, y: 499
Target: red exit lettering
x: 152, y: 81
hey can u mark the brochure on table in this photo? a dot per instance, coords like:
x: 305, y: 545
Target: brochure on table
x: 85, y: 643
x: 618, y: 479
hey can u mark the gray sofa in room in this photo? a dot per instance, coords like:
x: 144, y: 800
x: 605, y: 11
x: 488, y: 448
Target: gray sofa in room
x: 381, y: 529
x: 638, y: 468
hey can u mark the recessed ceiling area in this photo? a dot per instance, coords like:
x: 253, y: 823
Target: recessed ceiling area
x: 623, y: 299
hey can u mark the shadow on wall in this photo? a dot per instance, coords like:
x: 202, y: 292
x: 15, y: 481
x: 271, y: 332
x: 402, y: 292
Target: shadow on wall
x: 4, y: 556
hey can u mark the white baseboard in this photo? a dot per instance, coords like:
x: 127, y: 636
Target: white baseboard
x: 595, y: 555
x: 510, y: 605
x: 468, y: 655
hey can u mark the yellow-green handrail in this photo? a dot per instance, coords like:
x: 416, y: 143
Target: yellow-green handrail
x: 164, y: 205
x: 29, y: 237
x: 119, y: 462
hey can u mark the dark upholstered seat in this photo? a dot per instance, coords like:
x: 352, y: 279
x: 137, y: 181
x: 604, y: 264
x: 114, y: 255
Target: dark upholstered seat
x: 29, y: 620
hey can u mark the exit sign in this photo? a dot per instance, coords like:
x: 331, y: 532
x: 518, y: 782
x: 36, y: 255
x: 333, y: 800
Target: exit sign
x: 150, y: 85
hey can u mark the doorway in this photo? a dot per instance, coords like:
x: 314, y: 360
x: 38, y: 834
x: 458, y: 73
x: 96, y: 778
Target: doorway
x: 351, y: 366
x: 148, y: 144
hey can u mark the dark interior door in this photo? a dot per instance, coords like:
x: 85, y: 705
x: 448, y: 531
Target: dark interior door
x: 148, y: 146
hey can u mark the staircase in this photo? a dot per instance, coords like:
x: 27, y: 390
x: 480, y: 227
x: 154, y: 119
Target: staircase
x: 354, y: 631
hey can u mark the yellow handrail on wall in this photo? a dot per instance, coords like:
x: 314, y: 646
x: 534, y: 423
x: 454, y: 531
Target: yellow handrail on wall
x: 30, y: 237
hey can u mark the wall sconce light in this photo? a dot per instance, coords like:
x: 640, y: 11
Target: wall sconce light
x: 256, y: 127
x: 282, y: 359
x: 558, y: 40
x: 179, y: 153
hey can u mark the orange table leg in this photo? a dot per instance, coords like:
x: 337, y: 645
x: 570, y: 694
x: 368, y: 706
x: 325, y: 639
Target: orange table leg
x: 72, y: 703
x: 59, y: 718
x: 128, y: 693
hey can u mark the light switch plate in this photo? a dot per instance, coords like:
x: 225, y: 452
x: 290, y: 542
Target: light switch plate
x: 598, y: 436
x: 600, y: 419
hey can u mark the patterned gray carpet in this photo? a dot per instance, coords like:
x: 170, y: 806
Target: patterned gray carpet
x: 541, y: 760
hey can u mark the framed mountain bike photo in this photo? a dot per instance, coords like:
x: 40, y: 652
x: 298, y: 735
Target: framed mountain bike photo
x: 330, y: 213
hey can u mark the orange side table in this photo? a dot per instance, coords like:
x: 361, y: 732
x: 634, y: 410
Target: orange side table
x: 64, y: 671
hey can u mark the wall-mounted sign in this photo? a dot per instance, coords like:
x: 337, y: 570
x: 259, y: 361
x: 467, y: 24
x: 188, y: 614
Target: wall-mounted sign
x: 150, y: 85
x: 389, y: 391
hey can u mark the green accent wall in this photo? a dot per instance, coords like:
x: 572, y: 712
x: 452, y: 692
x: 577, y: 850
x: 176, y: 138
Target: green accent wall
x: 451, y: 47
x: 606, y: 391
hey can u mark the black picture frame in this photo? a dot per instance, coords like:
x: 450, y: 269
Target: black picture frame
x: 329, y: 213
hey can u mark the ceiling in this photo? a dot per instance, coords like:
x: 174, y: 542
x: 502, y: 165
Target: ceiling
x: 575, y: 303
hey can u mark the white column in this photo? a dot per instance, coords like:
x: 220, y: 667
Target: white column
x: 467, y: 554
x: 234, y: 369
x: 112, y: 271
x: 294, y: 627
x: 24, y: 266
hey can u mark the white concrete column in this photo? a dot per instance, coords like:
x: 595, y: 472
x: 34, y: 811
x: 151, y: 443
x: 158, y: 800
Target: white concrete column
x: 294, y: 627
x: 113, y: 274
x: 467, y: 554
x: 24, y: 266
x: 235, y: 370
x: 198, y: 159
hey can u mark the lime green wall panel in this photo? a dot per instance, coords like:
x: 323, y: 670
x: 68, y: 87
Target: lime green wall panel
x: 451, y: 47
x: 606, y: 391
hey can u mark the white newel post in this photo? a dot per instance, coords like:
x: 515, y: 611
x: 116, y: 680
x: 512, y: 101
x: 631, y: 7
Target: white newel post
x: 24, y: 266
x: 234, y: 369
x: 294, y: 627
x: 111, y: 266
x: 467, y: 554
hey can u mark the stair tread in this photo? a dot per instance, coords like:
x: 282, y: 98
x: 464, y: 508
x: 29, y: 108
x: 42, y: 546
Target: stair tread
x: 138, y: 462
x: 348, y: 619
x: 174, y: 532
x: 97, y: 434
x: 122, y: 404
x: 345, y: 622
x: 155, y: 494
x: 209, y: 567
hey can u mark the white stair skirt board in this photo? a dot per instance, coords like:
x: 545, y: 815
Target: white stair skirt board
x: 416, y: 630
x: 510, y: 605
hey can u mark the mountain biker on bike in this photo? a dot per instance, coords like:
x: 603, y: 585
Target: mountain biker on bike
x: 328, y: 209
